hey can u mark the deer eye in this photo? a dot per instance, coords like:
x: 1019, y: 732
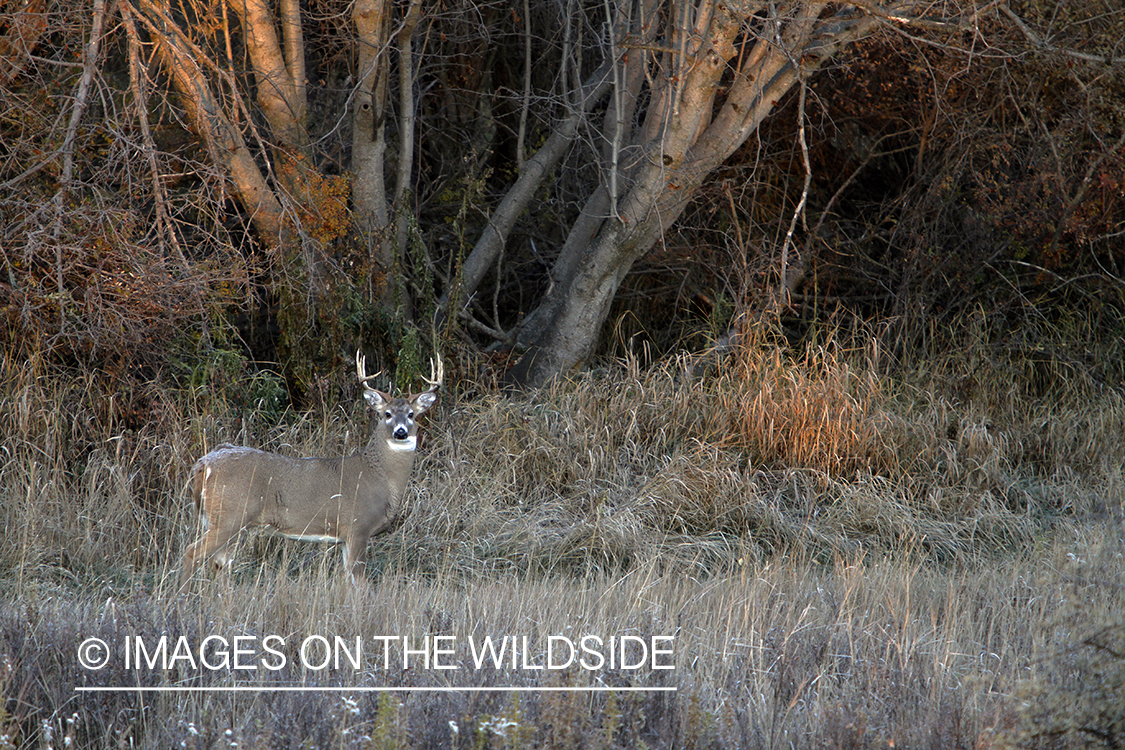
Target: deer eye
x: 412, y: 415
x: 388, y: 416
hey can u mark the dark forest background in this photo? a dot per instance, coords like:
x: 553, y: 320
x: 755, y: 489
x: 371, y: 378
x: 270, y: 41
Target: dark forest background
x: 952, y: 166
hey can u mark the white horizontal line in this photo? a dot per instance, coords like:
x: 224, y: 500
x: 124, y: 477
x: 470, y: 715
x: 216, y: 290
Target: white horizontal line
x: 367, y: 689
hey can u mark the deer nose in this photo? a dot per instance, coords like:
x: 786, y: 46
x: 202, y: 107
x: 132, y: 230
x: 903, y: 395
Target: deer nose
x: 401, y: 433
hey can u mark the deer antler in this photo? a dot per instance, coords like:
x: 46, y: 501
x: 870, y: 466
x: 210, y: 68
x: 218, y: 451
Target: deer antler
x: 361, y: 369
x: 343, y: 499
x: 436, y: 376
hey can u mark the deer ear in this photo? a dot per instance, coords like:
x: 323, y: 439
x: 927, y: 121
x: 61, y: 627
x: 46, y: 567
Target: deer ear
x: 375, y: 399
x: 424, y: 401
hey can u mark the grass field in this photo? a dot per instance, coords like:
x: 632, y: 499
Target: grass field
x: 824, y: 550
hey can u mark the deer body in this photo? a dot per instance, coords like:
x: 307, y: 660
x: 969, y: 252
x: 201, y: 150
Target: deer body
x: 321, y: 499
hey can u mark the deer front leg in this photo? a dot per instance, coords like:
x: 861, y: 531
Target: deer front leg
x: 355, y: 555
x: 212, y: 545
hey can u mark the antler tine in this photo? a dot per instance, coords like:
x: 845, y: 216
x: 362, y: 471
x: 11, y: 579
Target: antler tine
x: 436, y: 377
x: 361, y: 369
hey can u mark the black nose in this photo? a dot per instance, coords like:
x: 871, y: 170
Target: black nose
x: 401, y: 433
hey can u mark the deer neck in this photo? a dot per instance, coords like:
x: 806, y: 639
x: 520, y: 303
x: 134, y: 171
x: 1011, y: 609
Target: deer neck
x: 396, y: 460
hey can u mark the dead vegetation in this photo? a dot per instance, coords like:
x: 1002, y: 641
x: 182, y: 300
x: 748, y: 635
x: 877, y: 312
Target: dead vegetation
x: 845, y: 556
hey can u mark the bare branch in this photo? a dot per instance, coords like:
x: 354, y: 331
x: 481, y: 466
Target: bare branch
x: 525, y: 105
x: 140, y: 97
x: 616, y: 126
x: 906, y: 14
x: 89, y: 67
x: 515, y: 201
x: 406, y: 121
x: 90, y: 56
x: 181, y: 59
x: 785, y: 286
x: 1038, y: 41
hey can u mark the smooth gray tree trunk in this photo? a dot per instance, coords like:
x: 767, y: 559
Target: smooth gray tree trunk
x: 683, y: 139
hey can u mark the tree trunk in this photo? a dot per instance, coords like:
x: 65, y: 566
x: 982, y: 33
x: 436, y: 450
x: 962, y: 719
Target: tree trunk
x: 180, y: 58
x: 535, y: 169
x: 369, y: 146
x: 279, y: 69
x: 682, y: 140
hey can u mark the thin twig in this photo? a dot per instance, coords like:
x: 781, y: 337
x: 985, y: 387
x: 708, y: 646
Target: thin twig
x: 783, y: 288
x: 526, y: 105
x: 89, y: 67
x: 1037, y: 41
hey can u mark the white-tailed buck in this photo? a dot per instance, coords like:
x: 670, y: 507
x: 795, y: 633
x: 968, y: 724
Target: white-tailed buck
x: 321, y: 499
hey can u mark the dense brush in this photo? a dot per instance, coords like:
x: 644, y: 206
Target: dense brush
x: 846, y: 555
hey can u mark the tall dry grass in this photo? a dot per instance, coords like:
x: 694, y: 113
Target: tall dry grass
x: 848, y: 554
x: 859, y: 653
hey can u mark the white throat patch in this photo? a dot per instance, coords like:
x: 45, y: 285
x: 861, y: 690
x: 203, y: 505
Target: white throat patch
x: 403, y: 445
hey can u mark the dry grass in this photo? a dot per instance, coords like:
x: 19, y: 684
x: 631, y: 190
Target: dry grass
x: 844, y: 559
x: 861, y: 653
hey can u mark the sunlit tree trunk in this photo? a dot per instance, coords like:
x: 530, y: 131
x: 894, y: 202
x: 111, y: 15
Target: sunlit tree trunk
x: 182, y: 60
x: 279, y: 70
x: 266, y: 150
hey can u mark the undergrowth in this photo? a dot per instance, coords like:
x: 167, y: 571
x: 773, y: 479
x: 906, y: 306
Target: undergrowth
x: 845, y: 551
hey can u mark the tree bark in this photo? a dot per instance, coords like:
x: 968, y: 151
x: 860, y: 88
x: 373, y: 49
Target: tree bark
x: 369, y: 145
x: 280, y: 95
x: 180, y: 58
x: 682, y: 140
x: 495, y: 232
x: 279, y: 70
